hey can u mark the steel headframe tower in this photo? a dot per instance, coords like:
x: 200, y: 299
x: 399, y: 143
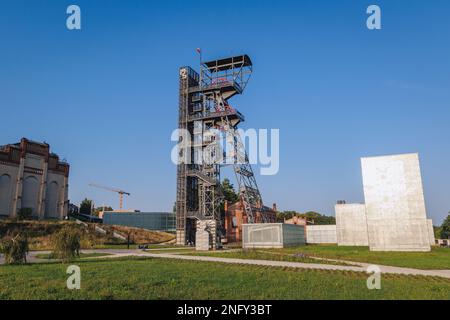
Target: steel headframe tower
x: 203, y: 106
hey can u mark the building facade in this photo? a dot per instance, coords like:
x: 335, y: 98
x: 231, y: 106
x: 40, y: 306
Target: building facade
x: 32, y: 177
x: 155, y: 221
x: 235, y: 218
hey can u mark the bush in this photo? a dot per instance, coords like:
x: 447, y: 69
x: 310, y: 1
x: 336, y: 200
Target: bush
x: 24, y: 213
x: 15, y: 249
x: 66, y: 244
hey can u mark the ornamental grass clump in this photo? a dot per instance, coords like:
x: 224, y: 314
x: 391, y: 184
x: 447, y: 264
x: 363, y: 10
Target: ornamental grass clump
x: 66, y: 244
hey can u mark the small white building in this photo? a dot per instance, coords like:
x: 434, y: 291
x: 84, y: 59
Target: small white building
x: 272, y: 235
x: 32, y: 177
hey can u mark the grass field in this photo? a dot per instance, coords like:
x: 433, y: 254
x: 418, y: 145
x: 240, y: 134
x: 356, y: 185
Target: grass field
x: 277, y: 255
x: 170, y: 279
x: 438, y: 258
x: 82, y: 255
x: 176, y: 250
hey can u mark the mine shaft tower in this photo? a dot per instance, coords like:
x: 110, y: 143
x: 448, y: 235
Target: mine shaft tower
x: 203, y: 105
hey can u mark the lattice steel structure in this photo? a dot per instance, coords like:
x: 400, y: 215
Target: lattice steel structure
x: 204, y: 112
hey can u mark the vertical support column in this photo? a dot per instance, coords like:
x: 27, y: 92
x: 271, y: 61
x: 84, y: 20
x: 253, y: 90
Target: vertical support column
x: 181, y: 208
x: 64, y: 199
x: 42, y: 191
x: 17, y: 203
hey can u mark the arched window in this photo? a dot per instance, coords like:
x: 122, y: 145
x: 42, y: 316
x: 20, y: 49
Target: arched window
x: 30, y: 194
x: 51, y: 200
x: 5, y: 195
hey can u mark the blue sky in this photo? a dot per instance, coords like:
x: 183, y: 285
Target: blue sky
x: 105, y: 97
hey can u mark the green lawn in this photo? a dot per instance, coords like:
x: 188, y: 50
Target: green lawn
x: 438, y: 258
x: 82, y: 255
x: 132, y: 246
x: 265, y: 254
x: 176, y: 279
x: 113, y: 246
x: 177, y: 250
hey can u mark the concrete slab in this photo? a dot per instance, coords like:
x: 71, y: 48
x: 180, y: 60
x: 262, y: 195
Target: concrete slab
x: 205, y: 236
x: 317, y: 234
x: 431, y: 232
x: 395, y: 205
x: 351, y: 224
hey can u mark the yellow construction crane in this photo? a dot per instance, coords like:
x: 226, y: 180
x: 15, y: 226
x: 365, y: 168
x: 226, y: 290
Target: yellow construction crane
x: 120, y: 192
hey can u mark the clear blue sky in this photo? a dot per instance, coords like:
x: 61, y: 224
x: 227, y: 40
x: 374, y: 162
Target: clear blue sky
x: 105, y: 97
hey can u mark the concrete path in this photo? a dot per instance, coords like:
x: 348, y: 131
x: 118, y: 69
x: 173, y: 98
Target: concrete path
x: 356, y: 266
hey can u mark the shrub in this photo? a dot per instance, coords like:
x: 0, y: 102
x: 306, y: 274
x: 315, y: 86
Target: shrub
x: 24, y: 213
x: 66, y: 244
x: 15, y: 249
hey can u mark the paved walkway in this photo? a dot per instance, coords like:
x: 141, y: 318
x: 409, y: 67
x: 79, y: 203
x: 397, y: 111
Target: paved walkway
x: 356, y: 266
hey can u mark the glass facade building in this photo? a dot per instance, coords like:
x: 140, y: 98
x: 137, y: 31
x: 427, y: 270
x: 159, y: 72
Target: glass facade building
x: 156, y: 221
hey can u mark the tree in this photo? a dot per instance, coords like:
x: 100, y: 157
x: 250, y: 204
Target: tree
x: 318, y: 218
x: 312, y: 216
x: 445, y: 228
x: 97, y: 211
x: 86, y: 206
x: 228, y: 191
x: 285, y: 215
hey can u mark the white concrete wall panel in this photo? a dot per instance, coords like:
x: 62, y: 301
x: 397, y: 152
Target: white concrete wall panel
x: 321, y: 234
x: 205, y: 235
x: 395, y: 205
x: 351, y: 224
x: 431, y: 232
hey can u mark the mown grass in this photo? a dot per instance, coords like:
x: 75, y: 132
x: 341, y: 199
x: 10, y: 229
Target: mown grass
x: 51, y: 256
x: 175, y: 279
x: 175, y: 250
x: 135, y: 246
x: 438, y: 258
x: 260, y: 254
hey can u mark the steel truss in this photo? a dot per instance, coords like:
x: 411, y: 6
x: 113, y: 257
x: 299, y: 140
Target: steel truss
x: 204, y: 106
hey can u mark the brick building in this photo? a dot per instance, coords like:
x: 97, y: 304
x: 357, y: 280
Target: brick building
x: 235, y: 217
x: 33, y: 177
